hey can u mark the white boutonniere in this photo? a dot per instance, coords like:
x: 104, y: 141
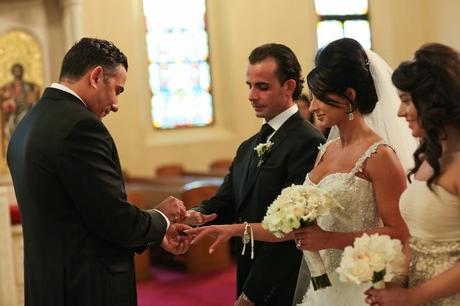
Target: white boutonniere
x: 262, y: 149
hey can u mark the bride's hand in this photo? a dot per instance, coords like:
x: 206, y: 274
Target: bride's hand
x: 312, y: 238
x: 221, y: 233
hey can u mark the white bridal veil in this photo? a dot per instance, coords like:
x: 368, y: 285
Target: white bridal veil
x: 383, y: 120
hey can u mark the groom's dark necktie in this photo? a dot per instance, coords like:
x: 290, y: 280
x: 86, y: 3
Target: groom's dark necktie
x: 264, y: 132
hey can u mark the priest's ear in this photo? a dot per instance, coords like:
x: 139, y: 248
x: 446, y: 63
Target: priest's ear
x: 96, y: 75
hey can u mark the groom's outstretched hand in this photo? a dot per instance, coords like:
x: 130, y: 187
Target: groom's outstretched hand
x: 220, y: 233
x: 194, y: 218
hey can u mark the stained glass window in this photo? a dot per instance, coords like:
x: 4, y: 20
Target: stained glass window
x: 179, y: 71
x: 340, y: 18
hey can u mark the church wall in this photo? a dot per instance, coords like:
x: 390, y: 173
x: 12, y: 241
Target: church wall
x: 235, y: 28
x: 443, y: 22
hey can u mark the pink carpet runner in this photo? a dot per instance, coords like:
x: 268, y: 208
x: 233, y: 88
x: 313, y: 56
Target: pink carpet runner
x: 172, y: 288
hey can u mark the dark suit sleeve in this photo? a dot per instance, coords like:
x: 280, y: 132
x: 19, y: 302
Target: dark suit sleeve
x: 89, y: 170
x: 267, y: 274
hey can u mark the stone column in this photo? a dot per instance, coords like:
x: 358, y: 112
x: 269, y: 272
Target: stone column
x: 72, y: 20
x: 7, y: 281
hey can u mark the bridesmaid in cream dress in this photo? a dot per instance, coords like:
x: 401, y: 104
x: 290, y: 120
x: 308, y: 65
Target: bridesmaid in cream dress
x: 430, y: 102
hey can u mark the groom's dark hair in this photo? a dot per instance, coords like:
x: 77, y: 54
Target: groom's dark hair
x: 288, y: 66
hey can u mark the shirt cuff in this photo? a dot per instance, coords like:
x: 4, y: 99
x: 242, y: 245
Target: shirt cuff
x: 164, y: 216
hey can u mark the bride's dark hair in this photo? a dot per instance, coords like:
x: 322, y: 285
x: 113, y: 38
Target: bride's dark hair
x: 343, y: 64
x: 432, y: 79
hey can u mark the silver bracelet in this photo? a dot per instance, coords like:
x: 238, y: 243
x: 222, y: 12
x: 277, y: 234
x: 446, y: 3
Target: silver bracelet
x: 248, y: 236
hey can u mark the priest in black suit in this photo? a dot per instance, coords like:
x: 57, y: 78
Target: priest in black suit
x: 256, y: 179
x: 80, y: 233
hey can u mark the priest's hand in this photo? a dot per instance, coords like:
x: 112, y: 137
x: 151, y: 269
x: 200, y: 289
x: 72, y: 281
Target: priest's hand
x: 175, y: 241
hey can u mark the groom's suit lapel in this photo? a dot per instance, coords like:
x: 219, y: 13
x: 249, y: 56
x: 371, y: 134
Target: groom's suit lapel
x: 277, y: 139
x: 243, y: 167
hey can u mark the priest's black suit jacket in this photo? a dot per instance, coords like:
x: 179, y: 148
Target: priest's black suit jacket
x: 270, y: 278
x: 80, y: 233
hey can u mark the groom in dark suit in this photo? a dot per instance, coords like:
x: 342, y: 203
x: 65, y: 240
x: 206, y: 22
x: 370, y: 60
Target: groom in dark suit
x: 80, y: 232
x: 255, y: 180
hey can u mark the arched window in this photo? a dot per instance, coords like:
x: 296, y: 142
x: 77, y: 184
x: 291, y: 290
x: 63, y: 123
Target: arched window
x: 179, y: 71
x: 339, y: 18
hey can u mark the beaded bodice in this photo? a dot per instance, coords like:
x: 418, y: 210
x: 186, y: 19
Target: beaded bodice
x: 356, y: 195
x: 432, y: 218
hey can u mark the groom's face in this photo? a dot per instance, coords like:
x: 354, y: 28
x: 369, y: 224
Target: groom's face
x: 267, y: 95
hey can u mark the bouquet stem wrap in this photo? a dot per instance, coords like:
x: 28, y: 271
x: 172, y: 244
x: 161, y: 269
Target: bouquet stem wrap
x: 318, y: 273
x: 378, y: 281
x: 379, y: 285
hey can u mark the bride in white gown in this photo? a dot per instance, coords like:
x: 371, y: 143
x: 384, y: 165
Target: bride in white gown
x: 358, y: 165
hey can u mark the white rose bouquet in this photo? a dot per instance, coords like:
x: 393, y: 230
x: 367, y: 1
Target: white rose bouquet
x: 376, y: 258
x: 298, y: 206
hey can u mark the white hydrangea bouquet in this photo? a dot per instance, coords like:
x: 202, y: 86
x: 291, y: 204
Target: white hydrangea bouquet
x: 298, y: 206
x: 376, y: 258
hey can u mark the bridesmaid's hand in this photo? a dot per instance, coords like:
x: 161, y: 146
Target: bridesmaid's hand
x: 391, y: 296
x: 312, y: 238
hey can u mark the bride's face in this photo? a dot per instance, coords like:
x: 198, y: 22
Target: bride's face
x: 408, y: 111
x: 328, y: 115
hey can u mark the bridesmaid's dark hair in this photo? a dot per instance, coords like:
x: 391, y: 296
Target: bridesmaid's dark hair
x: 432, y: 79
x: 343, y: 64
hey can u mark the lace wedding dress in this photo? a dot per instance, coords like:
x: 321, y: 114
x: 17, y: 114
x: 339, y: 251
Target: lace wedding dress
x: 433, y: 221
x: 356, y: 195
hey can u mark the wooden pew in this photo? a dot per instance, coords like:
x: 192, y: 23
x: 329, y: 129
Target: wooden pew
x: 198, y: 259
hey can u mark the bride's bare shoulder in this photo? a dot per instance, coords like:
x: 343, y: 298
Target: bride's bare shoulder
x: 383, y: 159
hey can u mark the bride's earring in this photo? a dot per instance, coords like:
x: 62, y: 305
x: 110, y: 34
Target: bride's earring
x: 350, y: 114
